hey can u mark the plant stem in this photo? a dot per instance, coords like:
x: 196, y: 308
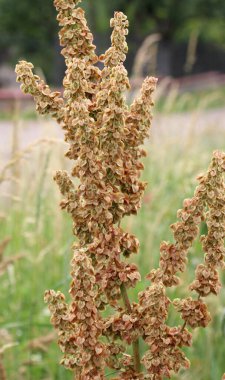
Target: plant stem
x: 136, y: 354
x: 183, y: 327
x: 2, y: 369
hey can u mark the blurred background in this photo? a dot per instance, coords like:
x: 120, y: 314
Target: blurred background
x: 187, y: 37
x: 182, y: 43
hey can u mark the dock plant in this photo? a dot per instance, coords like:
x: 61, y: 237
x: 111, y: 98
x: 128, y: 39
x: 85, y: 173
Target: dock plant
x: 99, y: 325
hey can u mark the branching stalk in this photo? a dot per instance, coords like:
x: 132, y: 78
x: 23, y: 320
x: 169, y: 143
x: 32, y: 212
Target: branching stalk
x: 136, y: 353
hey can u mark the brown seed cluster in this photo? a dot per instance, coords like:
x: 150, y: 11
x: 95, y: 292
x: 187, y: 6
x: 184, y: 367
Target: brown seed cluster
x: 102, y: 135
x: 212, y: 191
x: 47, y: 102
x: 105, y: 139
x: 74, y: 34
x: 79, y: 324
x: 164, y: 354
x: 193, y: 312
x: 208, y: 205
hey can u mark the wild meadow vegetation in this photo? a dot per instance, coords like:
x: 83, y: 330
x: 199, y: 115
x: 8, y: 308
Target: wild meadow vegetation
x: 36, y: 237
x: 32, y: 219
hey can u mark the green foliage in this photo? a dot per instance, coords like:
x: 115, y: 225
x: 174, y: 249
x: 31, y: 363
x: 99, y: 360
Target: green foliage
x: 28, y: 31
x: 169, y: 17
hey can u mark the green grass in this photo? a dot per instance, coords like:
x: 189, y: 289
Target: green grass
x: 42, y: 232
x: 175, y: 101
x: 26, y: 114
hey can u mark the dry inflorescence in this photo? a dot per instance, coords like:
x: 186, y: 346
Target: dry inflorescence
x: 105, y: 139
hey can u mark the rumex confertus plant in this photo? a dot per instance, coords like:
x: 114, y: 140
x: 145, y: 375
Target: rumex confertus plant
x: 105, y: 139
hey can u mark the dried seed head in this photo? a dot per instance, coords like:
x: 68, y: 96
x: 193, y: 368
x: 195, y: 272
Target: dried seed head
x: 194, y: 313
x: 105, y: 138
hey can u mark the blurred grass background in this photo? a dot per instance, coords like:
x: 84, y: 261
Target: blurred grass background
x: 180, y: 147
x: 183, y: 43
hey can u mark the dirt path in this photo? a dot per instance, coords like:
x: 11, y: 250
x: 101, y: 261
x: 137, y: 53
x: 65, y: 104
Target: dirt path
x: 175, y: 125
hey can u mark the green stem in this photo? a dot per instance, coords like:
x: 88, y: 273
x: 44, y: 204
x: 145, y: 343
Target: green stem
x: 137, y: 363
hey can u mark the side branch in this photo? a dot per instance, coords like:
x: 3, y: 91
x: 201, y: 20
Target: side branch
x: 138, y: 120
x: 47, y: 102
